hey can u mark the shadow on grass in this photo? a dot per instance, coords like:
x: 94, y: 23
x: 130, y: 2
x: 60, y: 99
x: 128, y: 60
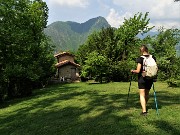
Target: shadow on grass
x: 69, y: 120
x: 167, y: 127
x: 104, y: 114
x: 38, y: 93
x: 164, y: 98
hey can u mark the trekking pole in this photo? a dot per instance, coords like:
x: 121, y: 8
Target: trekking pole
x: 129, y: 90
x: 155, y: 99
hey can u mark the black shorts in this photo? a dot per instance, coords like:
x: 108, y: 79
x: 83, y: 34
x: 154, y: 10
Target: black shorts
x: 144, y: 83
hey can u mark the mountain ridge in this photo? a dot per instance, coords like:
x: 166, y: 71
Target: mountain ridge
x: 70, y: 35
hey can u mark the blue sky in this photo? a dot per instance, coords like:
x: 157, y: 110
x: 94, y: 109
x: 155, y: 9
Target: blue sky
x: 161, y: 12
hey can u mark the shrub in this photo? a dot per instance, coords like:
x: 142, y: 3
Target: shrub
x: 173, y: 83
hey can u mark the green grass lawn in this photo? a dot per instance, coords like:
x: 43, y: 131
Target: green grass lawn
x: 91, y: 109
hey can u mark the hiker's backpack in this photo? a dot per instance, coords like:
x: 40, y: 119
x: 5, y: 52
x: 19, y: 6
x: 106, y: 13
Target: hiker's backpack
x: 149, y: 67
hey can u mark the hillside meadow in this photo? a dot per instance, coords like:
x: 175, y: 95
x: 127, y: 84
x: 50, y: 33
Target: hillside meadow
x: 91, y: 109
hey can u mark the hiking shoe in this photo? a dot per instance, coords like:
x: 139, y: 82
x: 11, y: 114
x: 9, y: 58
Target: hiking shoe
x: 143, y: 113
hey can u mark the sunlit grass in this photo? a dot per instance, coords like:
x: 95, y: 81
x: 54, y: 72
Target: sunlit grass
x: 91, y: 109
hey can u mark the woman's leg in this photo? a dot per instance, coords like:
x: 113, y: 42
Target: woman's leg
x: 142, y: 94
x: 147, y: 95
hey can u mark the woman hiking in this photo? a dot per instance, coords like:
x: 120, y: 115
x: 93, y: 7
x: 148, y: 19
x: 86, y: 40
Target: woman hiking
x: 144, y: 84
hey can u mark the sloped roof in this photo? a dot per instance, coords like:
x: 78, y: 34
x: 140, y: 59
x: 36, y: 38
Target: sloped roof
x: 65, y: 62
x: 62, y: 54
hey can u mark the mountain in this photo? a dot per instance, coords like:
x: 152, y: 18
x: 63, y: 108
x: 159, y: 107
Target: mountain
x: 70, y: 35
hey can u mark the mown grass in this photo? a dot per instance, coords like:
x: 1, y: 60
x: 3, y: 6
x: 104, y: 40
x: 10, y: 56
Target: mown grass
x: 91, y: 109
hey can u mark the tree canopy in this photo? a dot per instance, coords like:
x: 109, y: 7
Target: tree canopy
x: 164, y: 44
x: 25, y: 54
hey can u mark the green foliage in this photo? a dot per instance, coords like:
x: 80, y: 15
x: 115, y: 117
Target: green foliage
x: 164, y: 47
x: 120, y: 71
x: 102, y: 42
x: 26, y: 56
x: 126, y: 34
x: 173, y: 82
x: 118, y: 46
x: 96, y: 65
x: 165, y: 42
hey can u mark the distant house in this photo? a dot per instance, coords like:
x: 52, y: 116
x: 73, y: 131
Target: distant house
x: 67, y: 69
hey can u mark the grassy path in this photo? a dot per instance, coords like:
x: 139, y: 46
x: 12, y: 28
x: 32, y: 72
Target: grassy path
x: 91, y: 109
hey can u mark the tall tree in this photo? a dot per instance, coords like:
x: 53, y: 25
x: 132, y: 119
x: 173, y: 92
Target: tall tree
x: 96, y: 66
x: 127, y: 33
x: 102, y: 42
x: 24, y: 50
x: 163, y: 45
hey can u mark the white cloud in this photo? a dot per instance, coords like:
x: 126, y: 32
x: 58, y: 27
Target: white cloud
x: 167, y: 10
x: 161, y: 12
x: 156, y: 8
x: 70, y: 3
x: 103, y: 4
x: 115, y: 19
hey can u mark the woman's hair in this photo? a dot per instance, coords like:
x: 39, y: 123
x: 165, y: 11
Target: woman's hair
x: 144, y: 48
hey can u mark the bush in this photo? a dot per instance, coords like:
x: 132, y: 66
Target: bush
x: 173, y: 83
x: 121, y: 71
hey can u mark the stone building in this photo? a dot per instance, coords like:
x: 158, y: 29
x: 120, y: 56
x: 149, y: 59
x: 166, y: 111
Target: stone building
x: 67, y: 69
